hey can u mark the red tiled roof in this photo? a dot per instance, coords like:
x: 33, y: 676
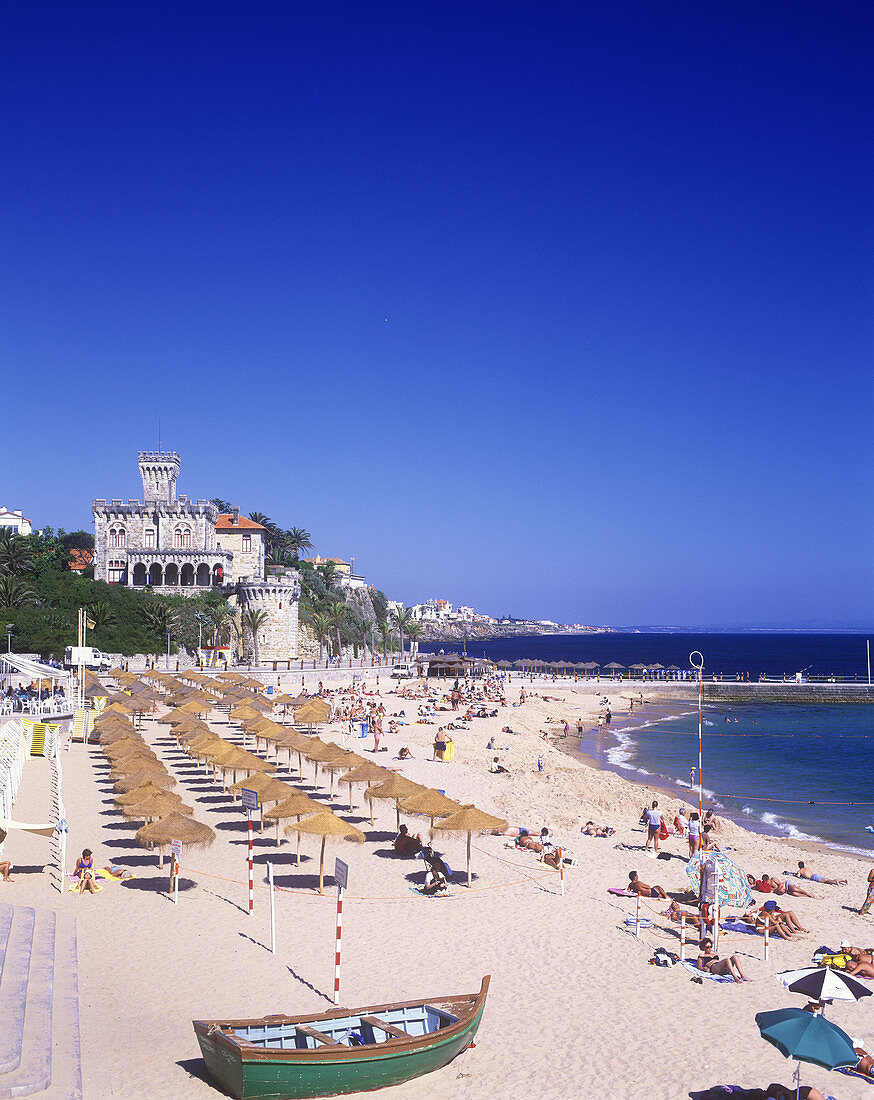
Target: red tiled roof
x: 225, y: 522
x: 80, y: 559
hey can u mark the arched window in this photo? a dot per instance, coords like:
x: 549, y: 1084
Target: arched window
x: 116, y: 538
x: 182, y: 538
x: 150, y: 538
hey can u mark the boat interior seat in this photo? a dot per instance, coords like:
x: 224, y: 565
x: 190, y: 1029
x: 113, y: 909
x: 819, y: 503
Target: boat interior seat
x: 389, y: 1029
x: 319, y: 1036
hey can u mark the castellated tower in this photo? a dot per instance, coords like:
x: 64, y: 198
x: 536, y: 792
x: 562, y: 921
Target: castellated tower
x: 160, y: 472
x: 279, y: 598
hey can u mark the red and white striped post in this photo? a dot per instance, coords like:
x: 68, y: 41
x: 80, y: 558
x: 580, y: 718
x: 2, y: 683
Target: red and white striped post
x: 337, y: 945
x: 767, y: 934
x: 637, y: 918
x: 341, y: 876
x: 682, y: 937
x: 251, y: 865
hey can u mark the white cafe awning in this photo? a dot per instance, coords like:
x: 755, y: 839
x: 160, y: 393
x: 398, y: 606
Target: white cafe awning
x: 36, y: 669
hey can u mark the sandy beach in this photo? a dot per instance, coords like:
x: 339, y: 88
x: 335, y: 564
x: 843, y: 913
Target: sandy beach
x: 575, y: 1009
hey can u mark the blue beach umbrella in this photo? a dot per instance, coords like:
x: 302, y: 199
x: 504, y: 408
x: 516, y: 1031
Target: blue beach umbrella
x: 806, y: 1037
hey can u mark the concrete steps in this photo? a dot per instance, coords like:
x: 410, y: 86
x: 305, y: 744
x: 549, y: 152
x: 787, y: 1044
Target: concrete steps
x: 39, y: 1007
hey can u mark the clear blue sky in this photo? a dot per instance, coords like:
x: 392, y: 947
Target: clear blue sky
x: 556, y: 309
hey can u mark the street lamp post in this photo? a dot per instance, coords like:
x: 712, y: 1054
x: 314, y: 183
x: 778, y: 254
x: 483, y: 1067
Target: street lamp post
x: 9, y: 633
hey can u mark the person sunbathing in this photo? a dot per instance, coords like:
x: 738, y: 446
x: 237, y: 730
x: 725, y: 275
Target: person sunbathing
x: 772, y: 1092
x: 496, y: 768
x: 781, y: 886
x: 860, y: 969
x: 591, y: 829
x: 803, y: 872
x: 405, y: 844
x: 674, y: 913
x: 783, y: 919
x: 435, y: 883
x: 712, y: 964
x: 404, y: 753
x: 635, y: 886
x: 529, y: 842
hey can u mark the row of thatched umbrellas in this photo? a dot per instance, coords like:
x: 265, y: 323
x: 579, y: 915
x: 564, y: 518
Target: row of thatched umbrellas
x: 143, y: 782
x: 530, y: 664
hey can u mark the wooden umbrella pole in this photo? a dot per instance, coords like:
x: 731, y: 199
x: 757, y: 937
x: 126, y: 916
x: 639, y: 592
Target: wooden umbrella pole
x: 298, y: 841
x: 468, y: 860
x: 322, y: 867
x: 277, y: 832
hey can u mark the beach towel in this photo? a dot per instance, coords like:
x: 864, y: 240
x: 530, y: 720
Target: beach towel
x: 852, y: 1072
x: 73, y: 888
x: 735, y: 924
x: 115, y: 874
x: 421, y: 891
x: 708, y: 977
x: 620, y: 890
x: 645, y: 922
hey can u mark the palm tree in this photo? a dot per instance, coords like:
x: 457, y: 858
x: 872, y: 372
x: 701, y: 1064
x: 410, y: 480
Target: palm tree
x: 14, y: 592
x: 101, y: 613
x: 253, y: 620
x: 414, y: 632
x: 337, y: 616
x: 259, y: 517
x: 297, y: 539
x: 219, y: 618
x: 329, y: 574
x: 321, y: 627
x: 16, y: 555
x: 277, y: 555
x: 402, y: 617
x: 160, y: 617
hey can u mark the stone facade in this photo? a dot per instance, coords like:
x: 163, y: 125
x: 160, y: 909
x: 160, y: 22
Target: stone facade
x: 167, y: 541
x: 279, y: 599
x: 247, y: 542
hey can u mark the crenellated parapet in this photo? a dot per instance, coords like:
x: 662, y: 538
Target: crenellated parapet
x: 278, y: 598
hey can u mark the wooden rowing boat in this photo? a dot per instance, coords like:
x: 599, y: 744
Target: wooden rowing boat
x: 344, y: 1050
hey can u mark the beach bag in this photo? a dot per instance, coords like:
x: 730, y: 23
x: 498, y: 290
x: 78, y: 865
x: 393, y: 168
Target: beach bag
x: 663, y: 832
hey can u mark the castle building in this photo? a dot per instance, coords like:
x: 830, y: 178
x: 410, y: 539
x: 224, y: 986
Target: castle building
x: 180, y: 546
x: 170, y: 542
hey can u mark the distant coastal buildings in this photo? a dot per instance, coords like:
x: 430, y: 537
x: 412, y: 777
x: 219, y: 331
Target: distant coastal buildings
x: 440, y: 619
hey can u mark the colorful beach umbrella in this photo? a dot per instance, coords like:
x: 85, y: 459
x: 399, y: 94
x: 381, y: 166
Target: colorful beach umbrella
x: 734, y: 888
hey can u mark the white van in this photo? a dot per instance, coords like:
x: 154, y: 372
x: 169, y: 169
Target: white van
x: 402, y: 672
x: 92, y: 658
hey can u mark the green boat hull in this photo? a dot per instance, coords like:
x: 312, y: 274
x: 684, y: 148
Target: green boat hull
x: 334, y: 1071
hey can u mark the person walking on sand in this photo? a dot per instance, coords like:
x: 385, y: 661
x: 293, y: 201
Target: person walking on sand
x: 653, y: 826
x: 5, y: 868
x: 694, y: 836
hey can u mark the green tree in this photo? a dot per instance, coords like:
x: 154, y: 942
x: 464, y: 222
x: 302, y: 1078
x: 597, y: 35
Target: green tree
x: 321, y: 627
x: 402, y: 617
x: 253, y: 620
x: 329, y: 574
x: 160, y: 618
x: 337, y: 615
x: 297, y: 539
x: 15, y: 592
x: 222, y: 505
x: 16, y: 554
x: 220, y: 621
x: 414, y: 632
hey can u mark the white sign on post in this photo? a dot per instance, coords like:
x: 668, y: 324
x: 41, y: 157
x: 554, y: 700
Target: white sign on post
x: 176, y: 849
x: 249, y: 798
x: 341, y: 873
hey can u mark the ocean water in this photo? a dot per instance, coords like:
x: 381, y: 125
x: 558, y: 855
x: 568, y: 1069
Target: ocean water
x: 774, y: 654
x: 789, y: 769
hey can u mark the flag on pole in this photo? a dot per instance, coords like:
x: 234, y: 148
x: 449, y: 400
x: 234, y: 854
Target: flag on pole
x: 90, y: 623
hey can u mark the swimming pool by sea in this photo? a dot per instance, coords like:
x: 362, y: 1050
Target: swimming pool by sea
x: 789, y: 769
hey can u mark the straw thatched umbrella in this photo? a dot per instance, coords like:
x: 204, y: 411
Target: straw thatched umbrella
x: 297, y: 805
x: 341, y: 760
x: 144, y: 790
x: 329, y: 827
x: 156, y: 805
x: 313, y: 712
x: 429, y: 803
x: 160, y: 833
x: 368, y: 772
x: 470, y: 820
x: 154, y: 774
x: 394, y: 788
x: 133, y: 764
